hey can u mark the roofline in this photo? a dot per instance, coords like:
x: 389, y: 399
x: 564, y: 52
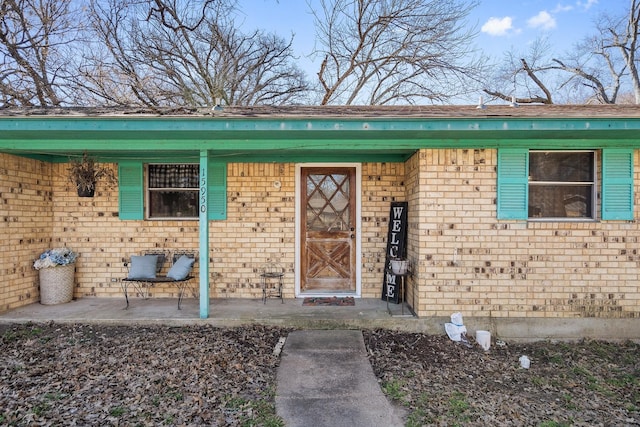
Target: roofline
x: 293, y: 133
x: 339, y: 112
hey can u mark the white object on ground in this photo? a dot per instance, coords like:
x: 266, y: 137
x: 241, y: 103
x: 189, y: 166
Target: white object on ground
x: 483, y: 338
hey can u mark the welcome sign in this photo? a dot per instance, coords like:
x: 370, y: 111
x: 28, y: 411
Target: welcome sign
x: 396, y: 248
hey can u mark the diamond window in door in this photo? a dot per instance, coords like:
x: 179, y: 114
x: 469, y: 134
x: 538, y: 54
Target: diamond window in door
x: 328, y: 202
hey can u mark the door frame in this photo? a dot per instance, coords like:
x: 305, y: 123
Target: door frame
x: 298, y: 231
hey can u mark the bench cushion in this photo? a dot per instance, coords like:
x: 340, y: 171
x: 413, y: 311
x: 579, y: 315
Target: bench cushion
x: 143, y: 267
x: 181, y: 268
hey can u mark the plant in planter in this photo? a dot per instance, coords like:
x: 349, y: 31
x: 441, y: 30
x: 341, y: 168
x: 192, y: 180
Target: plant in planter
x: 55, y: 257
x: 86, y: 172
x: 56, y: 268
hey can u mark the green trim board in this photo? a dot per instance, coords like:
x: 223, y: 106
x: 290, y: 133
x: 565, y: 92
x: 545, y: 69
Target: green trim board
x: 287, y: 138
x: 350, y: 138
x: 204, y: 215
x: 180, y: 127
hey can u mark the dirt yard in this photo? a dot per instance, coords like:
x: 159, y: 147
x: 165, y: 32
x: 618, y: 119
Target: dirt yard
x: 114, y: 375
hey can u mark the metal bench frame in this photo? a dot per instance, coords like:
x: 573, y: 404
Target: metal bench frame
x: 142, y: 286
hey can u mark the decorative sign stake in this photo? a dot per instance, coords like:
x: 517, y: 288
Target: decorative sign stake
x: 396, y: 249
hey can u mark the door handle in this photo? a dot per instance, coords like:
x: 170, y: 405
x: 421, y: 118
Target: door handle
x: 352, y: 236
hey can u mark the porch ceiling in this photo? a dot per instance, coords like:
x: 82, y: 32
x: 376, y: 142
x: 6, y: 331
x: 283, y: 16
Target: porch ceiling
x: 310, y: 133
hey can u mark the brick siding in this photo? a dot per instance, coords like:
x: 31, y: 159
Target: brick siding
x: 463, y: 258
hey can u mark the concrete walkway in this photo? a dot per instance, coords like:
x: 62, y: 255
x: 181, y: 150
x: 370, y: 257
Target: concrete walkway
x: 325, y: 379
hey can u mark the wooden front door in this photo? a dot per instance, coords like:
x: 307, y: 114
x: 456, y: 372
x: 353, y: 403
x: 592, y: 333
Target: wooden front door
x: 328, y: 256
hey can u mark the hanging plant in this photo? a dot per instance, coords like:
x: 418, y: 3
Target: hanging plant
x: 85, y: 174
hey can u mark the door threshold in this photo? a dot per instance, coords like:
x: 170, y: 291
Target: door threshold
x: 327, y: 295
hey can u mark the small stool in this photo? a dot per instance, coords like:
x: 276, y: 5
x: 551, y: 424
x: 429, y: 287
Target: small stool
x: 270, y: 273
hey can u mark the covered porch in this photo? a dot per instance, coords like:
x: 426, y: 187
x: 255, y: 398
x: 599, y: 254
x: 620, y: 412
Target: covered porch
x: 367, y: 313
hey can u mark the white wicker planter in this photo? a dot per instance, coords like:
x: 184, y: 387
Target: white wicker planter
x: 56, y: 284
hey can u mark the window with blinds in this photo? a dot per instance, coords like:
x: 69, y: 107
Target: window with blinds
x: 173, y: 191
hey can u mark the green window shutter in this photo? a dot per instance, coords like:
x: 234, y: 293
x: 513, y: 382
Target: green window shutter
x: 513, y: 183
x: 217, y: 191
x: 617, y: 184
x: 130, y: 176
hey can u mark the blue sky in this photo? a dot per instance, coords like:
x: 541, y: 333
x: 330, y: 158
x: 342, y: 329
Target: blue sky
x: 505, y: 25
x: 502, y: 25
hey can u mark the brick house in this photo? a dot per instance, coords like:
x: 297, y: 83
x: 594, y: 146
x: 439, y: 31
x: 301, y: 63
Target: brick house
x: 524, y: 214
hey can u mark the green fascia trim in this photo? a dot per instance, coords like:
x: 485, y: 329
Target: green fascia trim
x: 212, y: 124
x: 177, y: 139
x: 186, y: 128
x: 288, y: 140
x: 238, y: 157
x: 175, y: 147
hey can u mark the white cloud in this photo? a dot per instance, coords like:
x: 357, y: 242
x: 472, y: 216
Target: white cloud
x: 587, y: 4
x: 542, y: 20
x: 498, y: 26
x: 562, y: 8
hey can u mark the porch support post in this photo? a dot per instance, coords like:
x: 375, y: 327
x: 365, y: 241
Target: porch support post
x: 204, y: 235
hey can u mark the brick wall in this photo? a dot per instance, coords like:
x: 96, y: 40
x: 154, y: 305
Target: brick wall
x: 463, y: 258
x: 26, y: 218
x: 260, y: 226
x: 91, y: 227
x: 259, y: 229
x: 471, y: 262
x: 382, y: 183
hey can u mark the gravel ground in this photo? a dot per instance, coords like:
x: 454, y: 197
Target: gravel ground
x: 115, y: 375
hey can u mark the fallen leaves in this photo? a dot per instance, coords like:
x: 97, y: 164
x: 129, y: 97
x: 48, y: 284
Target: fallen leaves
x: 584, y: 383
x: 115, y: 375
x: 202, y: 375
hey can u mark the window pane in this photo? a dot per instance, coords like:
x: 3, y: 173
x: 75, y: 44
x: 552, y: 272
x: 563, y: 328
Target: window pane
x: 328, y: 202
x: 172, y: 204
x: 173, y: 190
x: 570, y: 201
x: 561, y: 166
x: 173, y: 176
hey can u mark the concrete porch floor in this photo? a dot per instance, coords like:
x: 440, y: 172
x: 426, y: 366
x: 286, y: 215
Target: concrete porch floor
x: 367, y: 313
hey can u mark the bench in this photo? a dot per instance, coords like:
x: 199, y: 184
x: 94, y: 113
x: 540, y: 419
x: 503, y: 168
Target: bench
x: 145, y: 271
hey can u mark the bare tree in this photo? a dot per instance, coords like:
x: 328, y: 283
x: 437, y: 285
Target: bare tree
x: 525, y: 74
x: 35, y: 36
x: 184, y: 52
x: 594, y: 73
x: 622, y: 35
x: 598, y: 69
x: 379, y: 52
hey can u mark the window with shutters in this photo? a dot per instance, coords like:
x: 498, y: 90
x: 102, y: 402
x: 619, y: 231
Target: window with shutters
x: 562, y: 184
x: 172, y: 191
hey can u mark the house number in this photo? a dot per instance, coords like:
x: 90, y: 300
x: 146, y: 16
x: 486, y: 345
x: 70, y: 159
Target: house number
x: 203, y: 191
